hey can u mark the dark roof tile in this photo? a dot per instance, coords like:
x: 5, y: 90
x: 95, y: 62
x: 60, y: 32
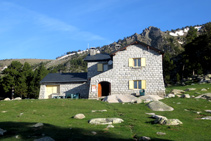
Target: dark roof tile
x: 64, y: 78
x: 97, y: 57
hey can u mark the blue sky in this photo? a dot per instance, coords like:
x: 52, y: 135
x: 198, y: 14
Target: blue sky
x: 46, y: 29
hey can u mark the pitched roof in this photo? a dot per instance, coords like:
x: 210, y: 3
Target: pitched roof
x: 97, y: 57
x: 135, y: 43
x: 64, y: 78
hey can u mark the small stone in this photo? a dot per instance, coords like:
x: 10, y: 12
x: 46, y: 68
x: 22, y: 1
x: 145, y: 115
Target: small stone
x: 37, y: 125
x: 208, y: 111
x: 2, y: 131
x: 151, y: 114
x: 198, y: 113
x: 94, y: 133
x: 176, y: 91
x: 93, y: 111
x: 79, y: 116
x: 173, y: 122
x: 170, y: 95
x: 3, y: 111
x: 207, y: 118
x: 161, y: 133
x: 204, y: 90
x: 17, y: 136
x: 104, y: 121
x: 186, y: 96
x: 190, y: 89
x: 179, y: 95
x: 144, y: 138
x: 110, y: 126
x: 178, y: 103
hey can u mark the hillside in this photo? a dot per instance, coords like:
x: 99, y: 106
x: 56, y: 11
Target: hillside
x: 168, y: 41
x: 7, y: 62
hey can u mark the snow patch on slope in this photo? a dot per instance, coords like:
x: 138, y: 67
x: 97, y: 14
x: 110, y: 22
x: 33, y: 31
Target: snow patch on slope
x: 182, y: 32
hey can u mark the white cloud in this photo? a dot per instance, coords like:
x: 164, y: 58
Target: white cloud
x: 22, y: 14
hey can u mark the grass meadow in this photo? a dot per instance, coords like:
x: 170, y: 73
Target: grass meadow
x: 17, y: 117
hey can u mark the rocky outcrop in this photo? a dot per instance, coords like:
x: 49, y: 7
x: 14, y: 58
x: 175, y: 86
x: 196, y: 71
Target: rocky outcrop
x: 103, y: 121
x: 159, y: 106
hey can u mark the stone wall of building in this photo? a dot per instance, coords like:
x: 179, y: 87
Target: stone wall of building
x: 42, y: 92
x: 121, y: 73
x: 71, y: 88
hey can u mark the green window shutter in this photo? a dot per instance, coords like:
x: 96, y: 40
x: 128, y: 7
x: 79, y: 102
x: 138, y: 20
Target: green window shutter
x: 99, y: 67
x: 131, y: 86
x: 143, y: 62
x: 131, y: 62
x: 143, y: 84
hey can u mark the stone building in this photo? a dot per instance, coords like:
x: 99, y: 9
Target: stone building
x: 124, y: 71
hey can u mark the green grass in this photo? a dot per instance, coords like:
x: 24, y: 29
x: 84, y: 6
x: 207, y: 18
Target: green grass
x: 56, y: 114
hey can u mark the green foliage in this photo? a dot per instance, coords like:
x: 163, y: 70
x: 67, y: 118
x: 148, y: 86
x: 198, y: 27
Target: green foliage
x: 168, y: 67
x: 76, y: 64
x: 192, y: 34
x: 22, y: 79
x: 56, y: 113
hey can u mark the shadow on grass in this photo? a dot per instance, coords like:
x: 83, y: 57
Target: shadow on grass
x: 24, y: 131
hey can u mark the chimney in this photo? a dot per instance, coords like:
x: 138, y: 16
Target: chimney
x: 93, y: 51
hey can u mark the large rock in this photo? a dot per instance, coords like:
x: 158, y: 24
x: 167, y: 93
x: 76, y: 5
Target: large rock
x: 164, y: 121
x: 207, y: 118
x: 160, y: 119
x: 6, y: 99
x: 18, y: 98
x: 208, y: 111
x: 103, y: 121
x: 205, y: 96
x: 79, y: 116
x: 177, y: 91
x: 120, y: 98
x: 150, y: 98
x: 170, y: 95
x: 159, y: 106
x: 144, y: 138
x: 173, y: 122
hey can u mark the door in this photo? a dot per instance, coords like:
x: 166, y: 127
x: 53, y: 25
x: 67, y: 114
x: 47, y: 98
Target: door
x: 99, y: 90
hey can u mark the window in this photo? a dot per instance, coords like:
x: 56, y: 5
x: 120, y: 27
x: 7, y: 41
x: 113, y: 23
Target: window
x: 137, y: 84
x: 137, y: 62
x: 102, y: 67
x: 99, y: 67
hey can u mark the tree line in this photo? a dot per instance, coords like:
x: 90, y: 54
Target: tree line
x: 194, y: 60
x: 20, y: 80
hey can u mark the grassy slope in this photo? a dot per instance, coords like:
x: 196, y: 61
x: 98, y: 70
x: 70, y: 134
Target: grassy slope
x: 56, y: 115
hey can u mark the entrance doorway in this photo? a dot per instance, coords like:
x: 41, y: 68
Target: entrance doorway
x: 104, y: 88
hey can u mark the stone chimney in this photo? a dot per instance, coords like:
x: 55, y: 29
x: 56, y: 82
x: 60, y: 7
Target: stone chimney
x: 93, y: 51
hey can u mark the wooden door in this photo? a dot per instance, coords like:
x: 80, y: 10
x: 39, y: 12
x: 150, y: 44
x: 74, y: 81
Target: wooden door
x: 99, y: 90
